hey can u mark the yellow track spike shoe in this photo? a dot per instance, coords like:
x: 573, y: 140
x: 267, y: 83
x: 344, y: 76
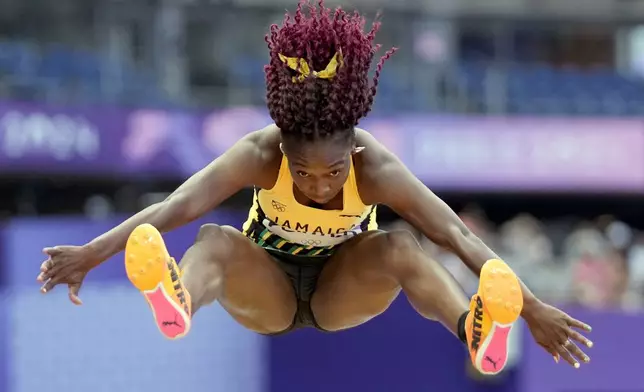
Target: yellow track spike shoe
x: 151, y: 270
x: 493, y: 311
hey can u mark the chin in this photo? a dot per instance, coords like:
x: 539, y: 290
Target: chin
x: 322, y: 200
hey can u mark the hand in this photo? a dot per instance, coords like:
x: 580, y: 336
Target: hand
x: 553, y: 330
x: 66, y: 265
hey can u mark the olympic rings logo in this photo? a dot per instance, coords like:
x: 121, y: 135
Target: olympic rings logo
x: 278, y: 206
x: 311, y: 242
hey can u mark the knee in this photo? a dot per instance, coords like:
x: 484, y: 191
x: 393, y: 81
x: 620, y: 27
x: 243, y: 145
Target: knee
x: 214, y: 232
x: 210, y: 231
x: 402, y: 243
x: 214, y: 239
x: 401, y: 248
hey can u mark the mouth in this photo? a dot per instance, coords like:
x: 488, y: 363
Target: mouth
x: 320, y: 199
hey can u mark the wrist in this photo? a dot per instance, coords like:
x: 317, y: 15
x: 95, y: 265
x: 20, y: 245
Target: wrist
x: 94, y: 254
x: 530, y: 304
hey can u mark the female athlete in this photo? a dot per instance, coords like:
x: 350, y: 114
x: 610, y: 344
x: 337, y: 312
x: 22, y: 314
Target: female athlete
x: 310, y: 253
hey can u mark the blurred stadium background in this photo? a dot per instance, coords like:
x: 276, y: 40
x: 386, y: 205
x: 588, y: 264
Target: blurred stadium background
x: 525, y: 116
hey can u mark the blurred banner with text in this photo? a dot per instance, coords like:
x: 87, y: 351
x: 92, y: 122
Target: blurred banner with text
x: 446, y: 152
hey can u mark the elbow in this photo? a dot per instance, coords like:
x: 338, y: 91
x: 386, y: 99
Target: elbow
x: 177, y: 207
x: 460, y: 239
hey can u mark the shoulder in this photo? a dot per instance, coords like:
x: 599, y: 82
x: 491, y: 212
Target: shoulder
x: 265, y: 143
x: 372, y: 166
x: 266, y: 154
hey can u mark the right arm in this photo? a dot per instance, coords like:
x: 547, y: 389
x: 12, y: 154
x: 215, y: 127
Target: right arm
x: 236, y: 169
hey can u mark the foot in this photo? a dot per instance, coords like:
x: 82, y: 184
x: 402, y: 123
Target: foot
x: 493, y: 311
x: 151, y: 269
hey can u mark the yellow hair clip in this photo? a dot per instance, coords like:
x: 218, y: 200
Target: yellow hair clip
x: 300, y: 65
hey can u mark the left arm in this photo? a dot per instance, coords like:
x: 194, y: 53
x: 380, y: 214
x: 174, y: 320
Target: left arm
x: 384, y: 179
x: 396, y: 187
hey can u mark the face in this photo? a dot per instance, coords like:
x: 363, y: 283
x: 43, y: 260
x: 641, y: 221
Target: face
x: 320, y: 168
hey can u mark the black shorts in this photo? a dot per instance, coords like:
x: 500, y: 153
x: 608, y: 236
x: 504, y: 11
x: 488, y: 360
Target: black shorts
x: 303, y: 272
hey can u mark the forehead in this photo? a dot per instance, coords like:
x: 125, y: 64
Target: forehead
x: 321, y: 153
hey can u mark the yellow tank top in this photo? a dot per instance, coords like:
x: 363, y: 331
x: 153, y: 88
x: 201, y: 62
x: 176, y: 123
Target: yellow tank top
x: 279, y: 222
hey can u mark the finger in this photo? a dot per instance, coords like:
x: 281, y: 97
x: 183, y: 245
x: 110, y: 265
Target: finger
x: 46, y: 271
x: 50, y: 274
x: 46, y: 265
x: 52, y: 251
x: 49, y: 269
x: 551, y: 351
x: 563, y: 352
x: 578, y: 324
x: 73, y: 293
x: 48, y: 286
x: 576, y: 352
x: 555, y: 354
x: 47, y: 275
x: 43, y: 277
x: 576, y: 336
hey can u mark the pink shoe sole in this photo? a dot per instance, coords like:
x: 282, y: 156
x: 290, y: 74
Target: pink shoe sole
x: 172, y: 321
x: 493, y: 355
x: 500, y: 293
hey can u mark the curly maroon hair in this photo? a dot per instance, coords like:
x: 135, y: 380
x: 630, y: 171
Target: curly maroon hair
x: 316, y: 107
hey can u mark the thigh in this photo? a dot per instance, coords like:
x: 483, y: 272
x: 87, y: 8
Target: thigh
x: 253, y: 289
x: 355, y: 285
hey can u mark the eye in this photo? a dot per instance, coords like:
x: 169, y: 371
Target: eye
x: 335, y: 173
x: 302, y: 174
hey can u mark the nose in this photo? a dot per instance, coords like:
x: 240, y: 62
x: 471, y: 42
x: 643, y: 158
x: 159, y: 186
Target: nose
x: 320, y: 191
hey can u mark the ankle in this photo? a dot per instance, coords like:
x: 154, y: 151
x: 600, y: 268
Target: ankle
x: 460, y: 327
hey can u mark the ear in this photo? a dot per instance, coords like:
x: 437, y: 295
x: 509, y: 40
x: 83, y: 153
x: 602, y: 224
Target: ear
x: 357, y: 150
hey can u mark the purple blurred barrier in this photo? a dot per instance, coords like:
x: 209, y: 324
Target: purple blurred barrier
x: 23, y: 241
x: 458, y: 153
x: 616, y: 358
x: 111, y: 342
x: 4, y: 343
x: 397, y: 351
